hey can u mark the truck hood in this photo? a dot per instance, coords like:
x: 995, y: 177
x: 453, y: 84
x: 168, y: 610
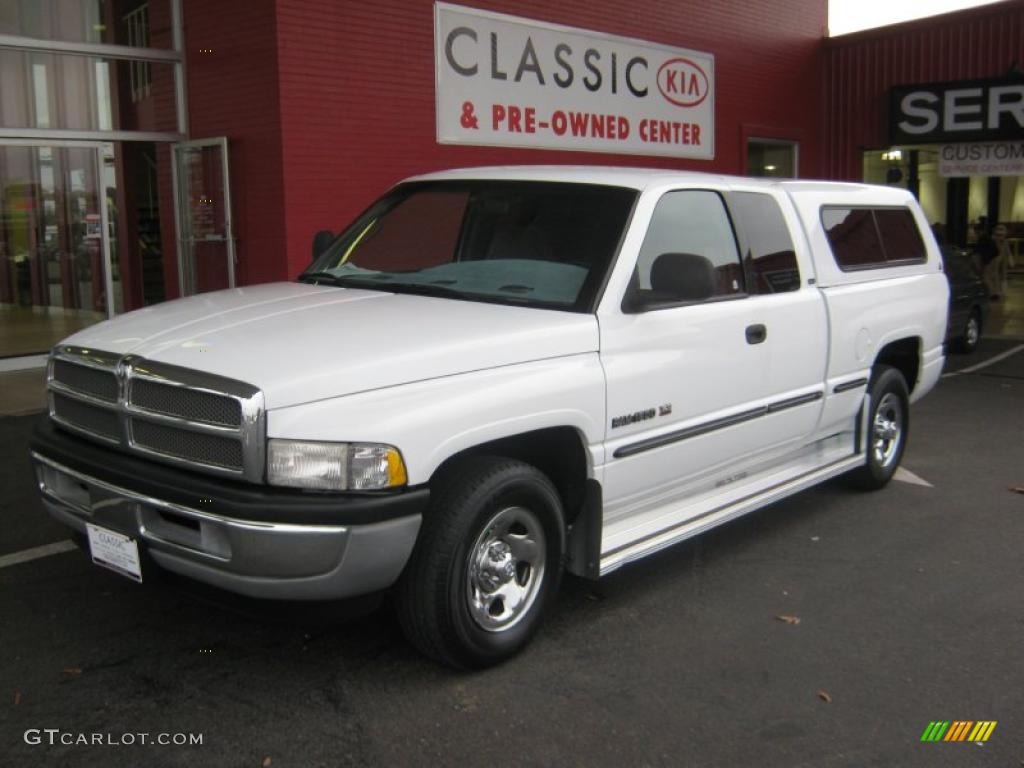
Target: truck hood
x: 300, y: 343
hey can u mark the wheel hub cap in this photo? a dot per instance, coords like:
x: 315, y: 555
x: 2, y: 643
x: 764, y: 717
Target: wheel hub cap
x: 887, y: 429
x: 505, y: 569
x: 495, y: 566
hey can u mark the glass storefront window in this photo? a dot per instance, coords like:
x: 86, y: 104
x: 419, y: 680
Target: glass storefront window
x: 958, y: 207
x: 771, y: 157
x: 121, y: 22
x: 52, y: 260
x: 49, y: 90
x: 86, y: 129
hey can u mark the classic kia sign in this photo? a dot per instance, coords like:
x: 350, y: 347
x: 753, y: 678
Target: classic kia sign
x: 508, y: 81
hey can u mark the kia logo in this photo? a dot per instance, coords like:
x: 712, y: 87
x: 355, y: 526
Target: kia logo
x: 682, y: 82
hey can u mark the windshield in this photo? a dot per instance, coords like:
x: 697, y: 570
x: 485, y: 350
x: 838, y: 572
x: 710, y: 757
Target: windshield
x: 525, y: 243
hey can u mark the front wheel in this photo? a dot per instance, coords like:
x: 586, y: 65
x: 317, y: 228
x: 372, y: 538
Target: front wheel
x: 487, y: 563
x: 888, y: 425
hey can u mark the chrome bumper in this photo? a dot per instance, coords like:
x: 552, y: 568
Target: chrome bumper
x: 257, y: 559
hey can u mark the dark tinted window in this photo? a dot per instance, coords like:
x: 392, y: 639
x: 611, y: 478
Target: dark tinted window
x: 863, y: 238
x: 541, y: 244
x: 771, y: 259
x: 899, y: 233
x: 853, y: 236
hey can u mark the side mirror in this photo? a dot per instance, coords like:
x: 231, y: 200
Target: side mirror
x: 321, y: 242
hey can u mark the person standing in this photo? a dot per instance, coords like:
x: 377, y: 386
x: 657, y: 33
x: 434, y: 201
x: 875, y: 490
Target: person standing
x: 996, y: 268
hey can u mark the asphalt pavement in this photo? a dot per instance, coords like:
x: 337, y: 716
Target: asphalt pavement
x: 905, y: 607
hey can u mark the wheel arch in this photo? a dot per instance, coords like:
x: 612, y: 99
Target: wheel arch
x: 561, y: 454
x: 905, y: 356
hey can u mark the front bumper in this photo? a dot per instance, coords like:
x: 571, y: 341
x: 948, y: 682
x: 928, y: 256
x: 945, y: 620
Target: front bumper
x: 316, y: 546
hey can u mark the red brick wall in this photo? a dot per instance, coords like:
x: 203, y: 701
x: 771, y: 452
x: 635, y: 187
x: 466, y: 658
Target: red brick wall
x: 233, y: 91
x: 978, y: 43
x: 357, y: 94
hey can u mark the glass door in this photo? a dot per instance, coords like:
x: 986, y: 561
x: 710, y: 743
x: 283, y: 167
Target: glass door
x: 55, y: 275
x: 206, y: 244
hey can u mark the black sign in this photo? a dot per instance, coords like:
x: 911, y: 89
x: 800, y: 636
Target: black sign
x: 968, y: 110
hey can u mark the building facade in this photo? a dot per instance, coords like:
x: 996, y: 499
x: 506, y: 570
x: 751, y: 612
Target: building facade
x: 151, y: 149
x: 936, y: 106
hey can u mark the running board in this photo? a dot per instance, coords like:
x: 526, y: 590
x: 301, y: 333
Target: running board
x: 694, y: 527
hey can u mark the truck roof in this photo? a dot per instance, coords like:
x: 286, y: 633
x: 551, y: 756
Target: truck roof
x: 642, y: 178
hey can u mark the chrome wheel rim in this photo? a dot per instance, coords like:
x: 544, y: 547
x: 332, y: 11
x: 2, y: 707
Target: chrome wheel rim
x: 973, y: 331
x: 888, y: 429
x: 505, y: 569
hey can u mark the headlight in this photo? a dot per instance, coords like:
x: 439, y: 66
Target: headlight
x: 334, y: 466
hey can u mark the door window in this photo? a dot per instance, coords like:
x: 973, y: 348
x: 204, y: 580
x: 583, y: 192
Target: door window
x: 689, y: 253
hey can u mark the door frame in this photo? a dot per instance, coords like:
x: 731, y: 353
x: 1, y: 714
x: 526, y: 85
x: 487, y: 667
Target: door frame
x: 188, y: 288
x: 97, y: 147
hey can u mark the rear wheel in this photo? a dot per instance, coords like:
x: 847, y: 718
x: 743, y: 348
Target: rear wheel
x: 486, y: 565
x: 888, y: 424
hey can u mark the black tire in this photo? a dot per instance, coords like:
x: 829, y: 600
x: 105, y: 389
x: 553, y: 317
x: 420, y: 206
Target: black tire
x: 968, y: 340
x: 888, y: 429
x: 487, y: 562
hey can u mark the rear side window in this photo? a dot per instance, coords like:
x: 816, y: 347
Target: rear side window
x: 900, y: 237
x: 768, y: 247
x: 870, y: 238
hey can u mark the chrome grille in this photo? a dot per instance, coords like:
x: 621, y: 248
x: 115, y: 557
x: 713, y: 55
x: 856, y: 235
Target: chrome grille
x: 87, y: 417
x: 189, y: 404
x: 92, y: 381
x: 176, y: 415
x: 194, y: 446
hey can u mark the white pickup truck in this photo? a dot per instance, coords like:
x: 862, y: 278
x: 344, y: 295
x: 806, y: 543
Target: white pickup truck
x: 496, y: 374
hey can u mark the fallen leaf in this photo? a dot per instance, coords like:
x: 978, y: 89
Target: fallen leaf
x: 825, y: 696
x: 792, y: 620
x: 1017, y: 489
x: 17, y: 698
x: 72, y: 671
x: 267, y: 761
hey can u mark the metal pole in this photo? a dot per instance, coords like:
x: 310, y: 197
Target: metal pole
x: 108, y: 270
x: 229, y: 234
x: 180, y: 92
x: 179, y: 220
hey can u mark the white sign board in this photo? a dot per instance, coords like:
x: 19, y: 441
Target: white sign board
x: 1005, y: 158
x: 513, y: 82
x: 115, y: 551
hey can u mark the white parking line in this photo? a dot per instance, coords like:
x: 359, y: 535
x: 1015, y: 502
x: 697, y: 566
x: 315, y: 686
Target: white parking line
x: 986, y: 363
x: 37, y: 552
x: 906, y: 476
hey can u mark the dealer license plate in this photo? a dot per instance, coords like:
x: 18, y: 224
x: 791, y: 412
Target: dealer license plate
x: 115, y: 551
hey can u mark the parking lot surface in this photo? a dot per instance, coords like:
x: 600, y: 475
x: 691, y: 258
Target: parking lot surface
x: 908, y: 600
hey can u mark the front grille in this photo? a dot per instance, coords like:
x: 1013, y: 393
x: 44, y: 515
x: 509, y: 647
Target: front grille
x: 90, y: 418
x: 90, y: 381
x: 214, y: 450
x: 177, y: 415
x: 188, y: 404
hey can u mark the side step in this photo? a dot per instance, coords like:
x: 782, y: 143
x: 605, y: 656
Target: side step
x: 694, y: 526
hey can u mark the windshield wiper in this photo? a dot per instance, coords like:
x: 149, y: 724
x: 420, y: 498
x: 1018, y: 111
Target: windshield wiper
x: 423, y: 289
x: 316, y: 277
x: 383, y: 283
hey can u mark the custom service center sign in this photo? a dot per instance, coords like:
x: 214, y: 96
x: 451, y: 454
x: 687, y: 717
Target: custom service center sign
x: 508, y: 81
